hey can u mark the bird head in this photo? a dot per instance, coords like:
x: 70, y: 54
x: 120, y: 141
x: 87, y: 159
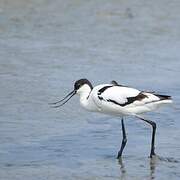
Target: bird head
x: 80, y: 86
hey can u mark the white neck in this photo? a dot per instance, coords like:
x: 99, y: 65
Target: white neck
x: 84, y: 93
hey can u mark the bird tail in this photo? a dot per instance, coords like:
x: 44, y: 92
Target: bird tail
x: 163, y: 97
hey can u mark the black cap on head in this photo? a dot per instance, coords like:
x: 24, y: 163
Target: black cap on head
x: 81, y: 82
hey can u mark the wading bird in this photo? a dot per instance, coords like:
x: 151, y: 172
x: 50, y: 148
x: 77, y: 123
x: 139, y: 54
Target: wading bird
x: 118, y: 100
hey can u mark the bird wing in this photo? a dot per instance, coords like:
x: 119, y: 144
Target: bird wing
x: 125, y: 100
x: 118, y: 95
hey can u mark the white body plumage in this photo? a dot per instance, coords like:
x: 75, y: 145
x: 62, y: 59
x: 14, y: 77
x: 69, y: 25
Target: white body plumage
x: 120, y: 100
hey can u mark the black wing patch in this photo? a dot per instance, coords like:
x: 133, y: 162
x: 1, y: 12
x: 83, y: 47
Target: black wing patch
x: 110, y: 100
x: 103, y: 89
x: 115, y: 83
x: 101, y: 98
x: 130, y: 100
x: 139, y: 97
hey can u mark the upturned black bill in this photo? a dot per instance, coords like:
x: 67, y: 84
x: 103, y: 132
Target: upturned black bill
x: 66, y: 98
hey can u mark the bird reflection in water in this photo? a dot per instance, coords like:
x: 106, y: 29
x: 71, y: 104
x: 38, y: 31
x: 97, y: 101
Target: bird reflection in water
x: 152, y: 165
x: 122, y: 169
x: 152, y: 168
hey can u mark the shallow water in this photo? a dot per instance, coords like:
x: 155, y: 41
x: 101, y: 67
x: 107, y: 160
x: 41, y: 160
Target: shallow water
x: 45, y: 47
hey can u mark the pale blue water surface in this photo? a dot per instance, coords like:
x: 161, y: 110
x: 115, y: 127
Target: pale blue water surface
x: 45, y: 46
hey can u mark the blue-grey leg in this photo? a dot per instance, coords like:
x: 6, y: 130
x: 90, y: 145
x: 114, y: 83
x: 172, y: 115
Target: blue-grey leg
x: 153, y: 124
x: 124, y: 140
